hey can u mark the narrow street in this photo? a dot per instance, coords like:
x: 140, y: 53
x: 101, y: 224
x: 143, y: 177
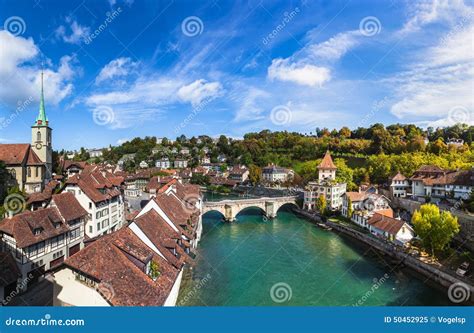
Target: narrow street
x: 41, y: 294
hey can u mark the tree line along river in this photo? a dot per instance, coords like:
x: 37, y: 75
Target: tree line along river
x: 290, y: 261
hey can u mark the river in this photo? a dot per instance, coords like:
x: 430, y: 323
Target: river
x: 290, y: 261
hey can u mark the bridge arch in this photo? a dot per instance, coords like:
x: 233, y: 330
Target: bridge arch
x: 230, y: 208
x: 287, y: 205
x: 213, y: 211
x: 255, y: 208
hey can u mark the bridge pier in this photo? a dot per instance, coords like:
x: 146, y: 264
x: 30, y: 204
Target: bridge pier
x: 229, y: 215
x: 270, y: 210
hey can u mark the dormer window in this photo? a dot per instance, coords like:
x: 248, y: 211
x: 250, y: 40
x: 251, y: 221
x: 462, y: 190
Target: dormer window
x: 152, y: 269
x: 37, y: 231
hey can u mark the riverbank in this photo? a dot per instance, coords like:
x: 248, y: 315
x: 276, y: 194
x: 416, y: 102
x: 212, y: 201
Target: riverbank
x: 434, y: 274
x: 241, y: 263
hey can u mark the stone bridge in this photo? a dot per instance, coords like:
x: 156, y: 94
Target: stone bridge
x: 230, y: 208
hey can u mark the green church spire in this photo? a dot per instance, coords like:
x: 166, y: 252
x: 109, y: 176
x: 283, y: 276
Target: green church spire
x: 41, y: 120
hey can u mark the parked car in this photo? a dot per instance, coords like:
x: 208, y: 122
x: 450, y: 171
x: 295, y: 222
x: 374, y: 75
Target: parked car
x: 463, y: 269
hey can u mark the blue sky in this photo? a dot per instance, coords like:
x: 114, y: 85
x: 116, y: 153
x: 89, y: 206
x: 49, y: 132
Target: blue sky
x: 118, y: 69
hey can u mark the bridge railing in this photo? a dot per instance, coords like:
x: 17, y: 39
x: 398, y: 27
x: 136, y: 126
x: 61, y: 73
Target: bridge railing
x: 253, y: 200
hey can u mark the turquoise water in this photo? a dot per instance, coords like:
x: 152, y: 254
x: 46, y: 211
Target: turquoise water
x: 239, y: 264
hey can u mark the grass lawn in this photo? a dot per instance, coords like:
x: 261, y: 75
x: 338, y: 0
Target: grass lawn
x: 348, y: 223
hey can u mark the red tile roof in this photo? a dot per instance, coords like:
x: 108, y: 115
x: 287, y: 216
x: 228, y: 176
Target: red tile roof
x: 22, y: 226
x: 69, y: 208
x: 399, y: 177
x: 177, y: 211
x: 16, y: 154
x: 356, y: 196
x: 95, y: 185
x: 327, y: 162
x: 385, y: 223
x: 117, y: 259
x: 66, y: 164
x: 45, y: 195
x: 163, y: 236
x: 33, y: 159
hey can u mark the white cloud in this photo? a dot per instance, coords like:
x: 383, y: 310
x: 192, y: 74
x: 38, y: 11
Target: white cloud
x: 430, y: 11
x: 334, y: 48
x: 250, y: 103
x: 116, y: 68
x: 439, y: 80
x: 199, y: 90
x: 149, y: 97
x: 20, y: 80
x: 312, y: 64
x: 309, y: 116
x: 77, y: 32
x: 122, y: 141
x: 308, y: 75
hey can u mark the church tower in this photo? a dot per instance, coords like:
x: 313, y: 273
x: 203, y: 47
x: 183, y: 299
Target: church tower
x: 41, y: 137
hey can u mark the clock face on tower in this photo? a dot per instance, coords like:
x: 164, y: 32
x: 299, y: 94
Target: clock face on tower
x: 39, y: 146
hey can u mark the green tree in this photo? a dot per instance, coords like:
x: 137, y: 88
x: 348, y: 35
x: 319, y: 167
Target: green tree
x: 4, y: 177
x: 321, y: 204
x: 255, y: 174
x: 435, y: 228
x: 350, y: 210
x: 200, y: 179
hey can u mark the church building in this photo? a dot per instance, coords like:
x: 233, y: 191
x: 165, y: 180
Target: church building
x: 326, y: 186
x: 30, y: 165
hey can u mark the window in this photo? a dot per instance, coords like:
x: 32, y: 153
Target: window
x: 91, y: 229
x: 38, y: 136
x: 57, y: 241
x: 32, y: 250
x: 41, y: 247
x: 98, y: 226
x: 29, y: 171
x: 37, y: 172
x: 58, y: 254
x: 76, y: 233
